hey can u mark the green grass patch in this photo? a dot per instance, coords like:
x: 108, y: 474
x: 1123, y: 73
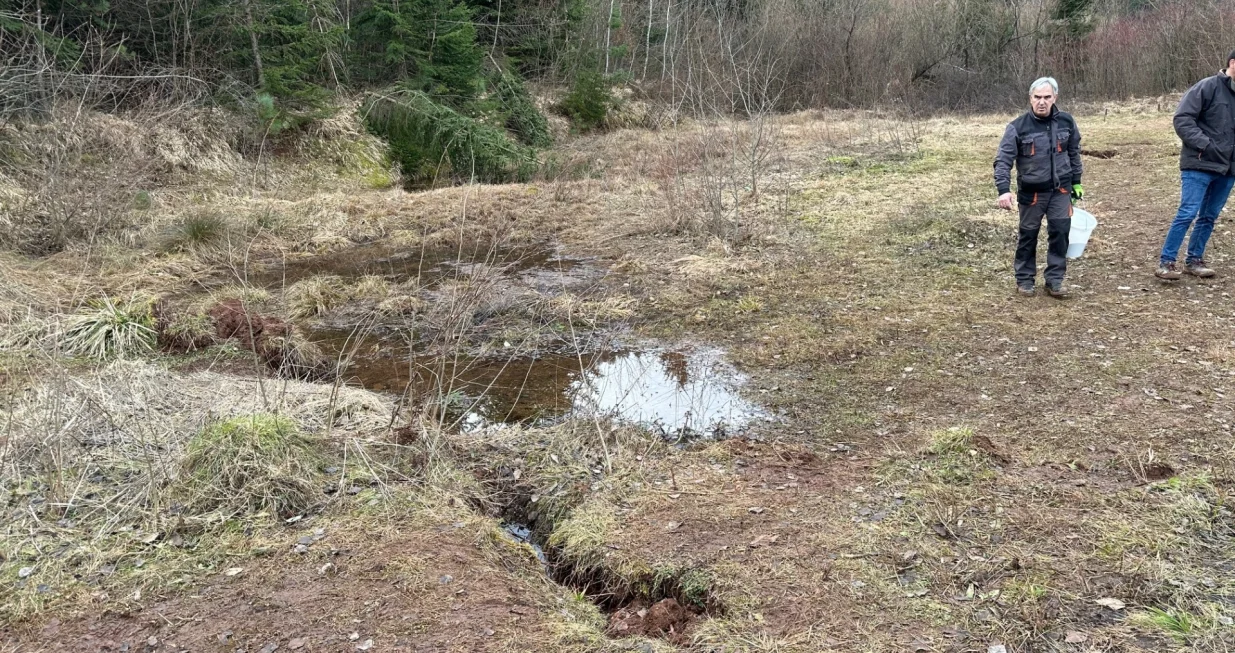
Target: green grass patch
x: 1178, y: 623
x: 253, y: 463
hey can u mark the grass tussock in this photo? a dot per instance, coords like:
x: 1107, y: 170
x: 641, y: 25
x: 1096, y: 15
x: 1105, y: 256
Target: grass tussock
x: 109, y: 328
x: 193, y: 233
x: 295, y: 356
x: 402, y: 305
x: 371, y: 287
x: 252, y: 463
x: 314, y: 296
x: 955, y: 440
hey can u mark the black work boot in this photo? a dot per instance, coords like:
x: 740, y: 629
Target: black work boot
x: 1025, y: 289
x: 1055, y: 289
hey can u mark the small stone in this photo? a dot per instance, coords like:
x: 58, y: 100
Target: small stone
x: 365, y: 645
x: 153, y: 641
x: 301, y: 549
x: 269, y: 648
x: 446, y: 579
x: 997, y: 648
x: 1112, y: 603
x: 234, y: 571
x: 296, y: 643
x: 224, y: 636
x: 353, y: 637
x: 1075, y: 637
x: 25, y: 572
x: 306, y: 540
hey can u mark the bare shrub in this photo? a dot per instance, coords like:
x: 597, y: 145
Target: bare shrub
x: 711, y: 179
x: 956, y: 54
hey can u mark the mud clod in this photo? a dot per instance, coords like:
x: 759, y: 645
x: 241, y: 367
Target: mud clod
x: 233, y: 321
x: 271, y: 338
x: 667, y: 618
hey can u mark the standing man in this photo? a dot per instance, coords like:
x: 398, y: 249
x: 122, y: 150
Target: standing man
x: 1045, y: 146
x: 1205, y: 122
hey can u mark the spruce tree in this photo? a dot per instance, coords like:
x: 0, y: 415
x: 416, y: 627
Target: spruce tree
x: 426, y: 45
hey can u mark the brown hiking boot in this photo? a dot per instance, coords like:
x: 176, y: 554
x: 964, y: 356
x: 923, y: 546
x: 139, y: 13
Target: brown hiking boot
x: 1168, y: 272
x: 1025, y: 290
x: 1199, y: 269
x: 1055, y: 289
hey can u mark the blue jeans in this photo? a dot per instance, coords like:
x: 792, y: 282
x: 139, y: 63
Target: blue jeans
x: 1202, y: 196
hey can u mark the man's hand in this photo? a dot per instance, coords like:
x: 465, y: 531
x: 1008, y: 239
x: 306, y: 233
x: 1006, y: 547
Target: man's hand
x: 1078, y: 193
x: 1007, y: 201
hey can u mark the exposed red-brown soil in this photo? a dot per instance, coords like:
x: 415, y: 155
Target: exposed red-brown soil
x: 434, y: 590
x: 666, y: 618
x: 232, y: 320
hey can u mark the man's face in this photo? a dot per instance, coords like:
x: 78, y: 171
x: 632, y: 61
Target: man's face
x: 1041, y: 100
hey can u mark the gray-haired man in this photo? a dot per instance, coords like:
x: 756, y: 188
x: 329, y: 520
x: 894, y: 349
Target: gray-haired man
x: 1045, y: 146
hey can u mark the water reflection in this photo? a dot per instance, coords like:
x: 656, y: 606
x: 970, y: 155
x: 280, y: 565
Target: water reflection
x: 672, y: 391
x: 679, y: 393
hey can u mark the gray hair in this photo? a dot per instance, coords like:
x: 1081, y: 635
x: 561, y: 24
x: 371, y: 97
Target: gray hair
x: 1044, y: 81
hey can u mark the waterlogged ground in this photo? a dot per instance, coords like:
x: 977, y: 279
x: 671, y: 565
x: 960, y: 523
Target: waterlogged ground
x: 599, y: 371
x: 923, y: 461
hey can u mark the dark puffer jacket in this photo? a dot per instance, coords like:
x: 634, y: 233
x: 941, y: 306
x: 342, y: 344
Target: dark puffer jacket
x: 1205, y: 122
x: 1046, y: 151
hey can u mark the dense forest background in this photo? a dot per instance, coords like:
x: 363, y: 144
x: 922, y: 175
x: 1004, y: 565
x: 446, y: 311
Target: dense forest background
x: 448, y: 76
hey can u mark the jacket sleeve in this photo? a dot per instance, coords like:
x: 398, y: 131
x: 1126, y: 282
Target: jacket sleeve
x: 1186, y: 116
x: 1074, y: 153
x: 1004, y: 158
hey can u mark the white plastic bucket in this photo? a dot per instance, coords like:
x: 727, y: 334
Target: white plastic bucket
x: 1083, y: 224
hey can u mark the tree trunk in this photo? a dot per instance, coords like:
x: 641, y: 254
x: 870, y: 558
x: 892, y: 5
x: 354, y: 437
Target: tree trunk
x: 664, y: 49
x: 647, y: 43
x: 257, y: 53
x: 608, y: 34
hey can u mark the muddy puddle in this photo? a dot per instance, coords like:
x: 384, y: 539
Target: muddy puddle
x: 680, y: 393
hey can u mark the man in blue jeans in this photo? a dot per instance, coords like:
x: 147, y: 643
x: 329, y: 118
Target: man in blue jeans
x: 1205, y: 122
